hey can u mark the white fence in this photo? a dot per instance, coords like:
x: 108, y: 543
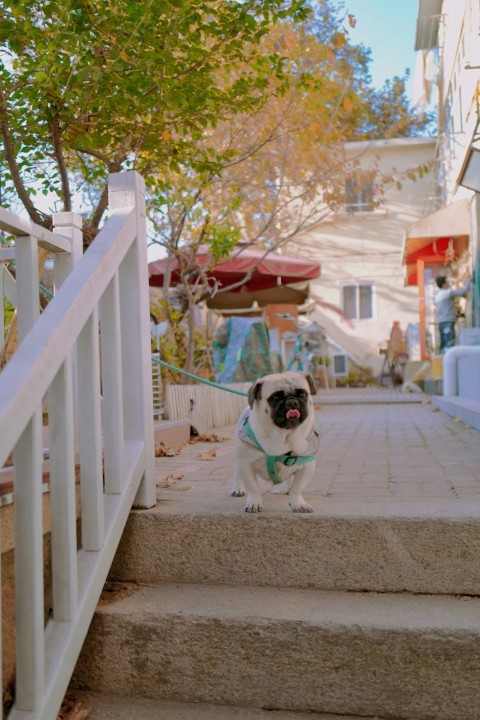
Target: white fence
x: 87, y: 356
x: 157, y: 387
x: 205, y: 406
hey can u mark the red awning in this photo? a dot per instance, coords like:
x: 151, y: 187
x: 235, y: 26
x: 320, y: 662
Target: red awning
x: 270, y: 274
x: 436, y: 239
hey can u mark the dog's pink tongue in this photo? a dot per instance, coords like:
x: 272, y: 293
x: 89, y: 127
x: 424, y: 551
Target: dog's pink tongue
x: 293, y: 414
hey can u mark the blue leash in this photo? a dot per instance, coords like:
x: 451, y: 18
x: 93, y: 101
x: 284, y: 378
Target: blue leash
x: 195, y: 377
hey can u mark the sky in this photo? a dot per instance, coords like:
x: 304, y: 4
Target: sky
x: 388, y: 28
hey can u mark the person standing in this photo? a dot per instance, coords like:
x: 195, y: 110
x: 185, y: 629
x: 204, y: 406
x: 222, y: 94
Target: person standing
x: 447, y: 314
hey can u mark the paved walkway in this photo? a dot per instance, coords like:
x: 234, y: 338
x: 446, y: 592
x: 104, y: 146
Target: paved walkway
x: 392, y: 454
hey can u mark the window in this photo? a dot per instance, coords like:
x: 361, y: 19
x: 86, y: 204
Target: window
x: 340, y: 366
x: 359, y: 193
x: 357, y: 301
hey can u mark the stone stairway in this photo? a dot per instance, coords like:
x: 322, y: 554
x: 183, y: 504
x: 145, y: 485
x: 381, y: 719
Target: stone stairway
x: 366, y: 608
x: 293, y: 613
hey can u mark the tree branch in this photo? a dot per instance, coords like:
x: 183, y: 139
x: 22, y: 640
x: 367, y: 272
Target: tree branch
x: 10, y: 156
x: 54, y: 127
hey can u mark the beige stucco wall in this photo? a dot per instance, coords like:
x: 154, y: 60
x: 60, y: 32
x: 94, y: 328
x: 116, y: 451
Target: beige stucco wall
x: 457, y: 83
x: 368, y: 247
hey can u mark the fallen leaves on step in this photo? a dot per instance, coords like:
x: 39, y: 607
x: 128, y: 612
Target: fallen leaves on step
x: 209, y: 455
x: 162, y: 451
x: 112, y: 591
x: 169, y: 480
x: 73, y: 709
x: 209, y: 437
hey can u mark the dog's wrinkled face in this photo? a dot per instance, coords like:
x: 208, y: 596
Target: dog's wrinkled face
x: 284, y: 398
x: 289, y: 407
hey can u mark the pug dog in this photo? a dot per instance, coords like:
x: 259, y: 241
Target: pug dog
x: 276, y: 440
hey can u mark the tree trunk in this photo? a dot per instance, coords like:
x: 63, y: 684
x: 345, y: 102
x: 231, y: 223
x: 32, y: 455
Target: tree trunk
x: 189, y: 362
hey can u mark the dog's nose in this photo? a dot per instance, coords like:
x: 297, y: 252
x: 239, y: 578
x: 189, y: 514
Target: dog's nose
x: 292, y: 402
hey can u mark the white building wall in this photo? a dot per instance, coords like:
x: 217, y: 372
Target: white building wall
x: 458, y: 76
x: 367, y: 248
x: 458, y: 103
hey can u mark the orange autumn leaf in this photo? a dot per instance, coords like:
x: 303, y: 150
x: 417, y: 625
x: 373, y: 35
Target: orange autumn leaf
x: 347, y: 104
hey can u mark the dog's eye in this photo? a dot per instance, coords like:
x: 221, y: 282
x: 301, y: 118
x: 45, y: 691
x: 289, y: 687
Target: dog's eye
x: 277, y: 396
x: 301, y: 393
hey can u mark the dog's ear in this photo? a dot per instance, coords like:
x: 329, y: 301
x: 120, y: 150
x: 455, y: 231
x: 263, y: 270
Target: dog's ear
x: 255, y: 392
x: 311, y: 383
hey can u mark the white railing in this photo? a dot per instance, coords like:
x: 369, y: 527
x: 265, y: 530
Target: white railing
x: 88, y: 357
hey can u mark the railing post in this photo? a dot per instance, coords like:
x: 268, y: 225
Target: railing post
x: 128, y: 190
x: 26, y: 265
x: 28, y: 506
x: 69, y: 225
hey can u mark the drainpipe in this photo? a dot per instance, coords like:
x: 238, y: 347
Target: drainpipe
x: 450, y: 361
x: 421, y: 309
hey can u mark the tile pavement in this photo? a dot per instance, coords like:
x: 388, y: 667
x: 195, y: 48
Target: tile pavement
x: 374, y: 448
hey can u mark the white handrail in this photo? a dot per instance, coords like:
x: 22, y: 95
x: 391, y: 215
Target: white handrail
x: 20, y: 227
x: 39, y: 357
x: 98, y: 319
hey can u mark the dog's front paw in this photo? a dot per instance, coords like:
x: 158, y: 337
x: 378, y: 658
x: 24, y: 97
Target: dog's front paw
x: 300, y: 506
x: 236, y: 492
x: 253, y: 507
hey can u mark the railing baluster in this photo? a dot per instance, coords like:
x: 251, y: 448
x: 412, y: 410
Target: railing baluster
x: 62, y: 494
x: 26, y: 268
x: 68, y: 225
x: 112, y: 402
x: 90, y: 435
x: 130, y: 361
x: 29, y: 605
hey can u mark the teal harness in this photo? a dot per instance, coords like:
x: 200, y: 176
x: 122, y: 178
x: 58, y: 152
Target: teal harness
x: 285, y: 459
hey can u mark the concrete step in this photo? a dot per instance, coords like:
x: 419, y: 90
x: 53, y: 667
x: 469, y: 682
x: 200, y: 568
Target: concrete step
x: 366, y: 654
x: 172, y: 433
x: 115, y: 707
x: 462, y: 408
x: 421, y: 548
